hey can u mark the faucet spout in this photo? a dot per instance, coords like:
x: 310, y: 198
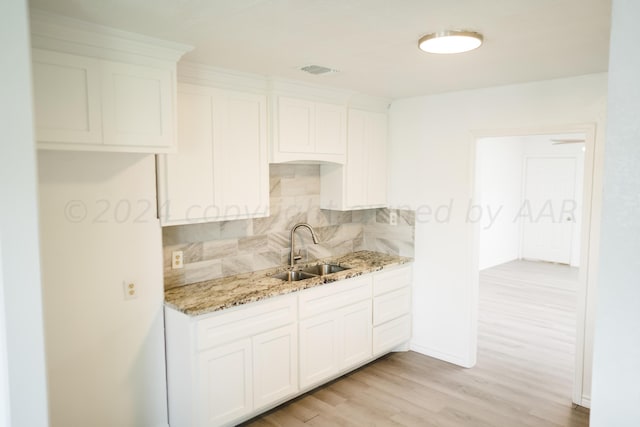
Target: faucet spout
x: 293, y: 257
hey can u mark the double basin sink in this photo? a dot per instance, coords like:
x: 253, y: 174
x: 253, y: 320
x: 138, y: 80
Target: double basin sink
x: 309, y: 272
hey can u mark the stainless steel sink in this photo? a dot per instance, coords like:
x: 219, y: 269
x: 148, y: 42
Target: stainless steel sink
x: 324, y: 269
x: 294, y: 276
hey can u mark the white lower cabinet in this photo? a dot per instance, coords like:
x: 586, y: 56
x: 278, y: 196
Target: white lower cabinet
x: 333, y: 342
x: 228, y: 366
x: 225, y: 383
x: 239, y: 378
x: 356, y: 334
x: 335, y: 330
x: 319, y: 353
x: 391, y: 309
x: 225, y: 366
x: 275, y: 365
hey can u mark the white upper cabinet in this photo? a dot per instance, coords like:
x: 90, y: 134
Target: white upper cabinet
x: 220, y: 171
x: 185, y: 178
x: 137, y: 105
x: 67, y: 98
x: 296, y: 127
x: 94, y: 97
x: 362, y: 182
x: 308, y: 131
x: 330, y: 130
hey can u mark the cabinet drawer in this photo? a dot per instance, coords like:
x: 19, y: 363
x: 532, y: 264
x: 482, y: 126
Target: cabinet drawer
x: 390, y: 334
x: 391, y: 305
x: 333, y: 295
x: 387, y: 281
x: 245, y: 321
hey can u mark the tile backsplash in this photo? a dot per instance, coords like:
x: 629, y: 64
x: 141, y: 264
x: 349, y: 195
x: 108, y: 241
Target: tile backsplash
x: 219, y: 249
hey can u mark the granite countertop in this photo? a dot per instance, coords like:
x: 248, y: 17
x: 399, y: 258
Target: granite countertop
x: 213, y: 295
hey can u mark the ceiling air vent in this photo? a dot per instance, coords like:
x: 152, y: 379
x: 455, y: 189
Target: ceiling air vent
x: 317, y: 69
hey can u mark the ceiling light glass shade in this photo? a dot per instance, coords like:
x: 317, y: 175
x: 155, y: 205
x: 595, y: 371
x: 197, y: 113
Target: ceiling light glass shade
x: 450, y: 42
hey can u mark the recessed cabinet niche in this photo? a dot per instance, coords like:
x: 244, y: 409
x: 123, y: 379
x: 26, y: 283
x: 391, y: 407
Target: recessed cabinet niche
x: 220, y: 171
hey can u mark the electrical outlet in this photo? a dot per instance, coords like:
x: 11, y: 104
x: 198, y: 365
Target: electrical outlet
x: 176, y: 260
x: 130, y: 291
x: 393, y: 218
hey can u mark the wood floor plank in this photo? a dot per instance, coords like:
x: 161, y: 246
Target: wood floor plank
x: 524, y: 374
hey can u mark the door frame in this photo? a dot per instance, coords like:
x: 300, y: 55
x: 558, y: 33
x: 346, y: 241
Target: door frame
x: 587, y: 278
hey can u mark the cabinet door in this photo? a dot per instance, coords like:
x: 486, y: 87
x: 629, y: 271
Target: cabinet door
x: 356, y: 167
x: 186, y: 192
x: 67, y: 98
x: 275, y: 365
x: 319, y: 351
x: 376, y: 146
x: 295, y: 125
x: 240, y: 155
x: 137, y: 105
x: 224, y: 383
x: 330, y: 129
x: 356, y: 334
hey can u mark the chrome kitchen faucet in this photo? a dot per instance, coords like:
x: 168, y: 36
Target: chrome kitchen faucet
x: 293, y: 258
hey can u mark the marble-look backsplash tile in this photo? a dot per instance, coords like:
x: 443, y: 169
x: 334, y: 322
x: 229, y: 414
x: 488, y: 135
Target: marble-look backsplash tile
x: 399, y: 239
x: 220, y: 249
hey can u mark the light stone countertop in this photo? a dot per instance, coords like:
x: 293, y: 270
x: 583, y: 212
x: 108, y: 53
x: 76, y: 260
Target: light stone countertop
x: 213, y: 295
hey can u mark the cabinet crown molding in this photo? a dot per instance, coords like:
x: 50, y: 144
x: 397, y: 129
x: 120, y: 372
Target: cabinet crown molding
x: 60, y: 33
x: 309, y: 91
x: 361, y: 101
x: 206, y: 75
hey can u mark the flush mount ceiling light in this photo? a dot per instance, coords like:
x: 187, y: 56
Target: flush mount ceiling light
x: 450, y: 42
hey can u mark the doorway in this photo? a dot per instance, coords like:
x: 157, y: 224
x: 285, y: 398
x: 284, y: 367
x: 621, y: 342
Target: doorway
x: 532, y: 244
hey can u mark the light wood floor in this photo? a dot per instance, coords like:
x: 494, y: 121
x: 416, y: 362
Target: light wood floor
x: 523, y: 376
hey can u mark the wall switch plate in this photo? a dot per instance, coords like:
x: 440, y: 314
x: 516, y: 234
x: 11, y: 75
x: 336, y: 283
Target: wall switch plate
x: 393, y: 218
x: 130, y: 291
x: 176, y: 260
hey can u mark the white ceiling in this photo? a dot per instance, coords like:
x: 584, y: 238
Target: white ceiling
x: 372, y: 42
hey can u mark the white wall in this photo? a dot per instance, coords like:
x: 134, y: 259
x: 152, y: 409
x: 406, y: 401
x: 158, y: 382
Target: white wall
x: 105, y: 355
x: 499, y: 184
x: 616, y: 374
x: 5, y: 410
x: 431, y: 158
x: 22, y: 376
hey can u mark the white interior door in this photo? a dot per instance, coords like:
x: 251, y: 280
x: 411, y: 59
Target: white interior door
x: 549, y: 209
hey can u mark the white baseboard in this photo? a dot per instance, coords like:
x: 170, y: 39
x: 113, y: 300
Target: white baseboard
x: 586, y: 401
x: 456, y: 360
x: 402, y: 347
